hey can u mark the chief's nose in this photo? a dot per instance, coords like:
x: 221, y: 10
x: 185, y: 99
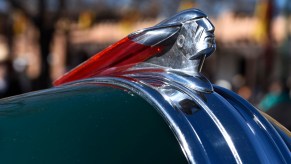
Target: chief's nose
x: 206, y: 24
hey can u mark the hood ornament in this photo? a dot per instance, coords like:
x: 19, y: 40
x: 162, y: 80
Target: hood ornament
x: 175, y: 48
x: 192, y: 35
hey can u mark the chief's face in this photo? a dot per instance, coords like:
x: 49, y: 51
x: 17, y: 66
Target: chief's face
x: 203, y: 38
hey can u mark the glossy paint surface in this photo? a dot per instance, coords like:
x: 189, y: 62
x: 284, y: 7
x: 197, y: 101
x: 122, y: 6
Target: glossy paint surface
x: 214, y: 127
x: 271, y: 144
x: 84, y: 124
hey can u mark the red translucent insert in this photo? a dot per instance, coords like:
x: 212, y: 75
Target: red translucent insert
x: 112, y: 61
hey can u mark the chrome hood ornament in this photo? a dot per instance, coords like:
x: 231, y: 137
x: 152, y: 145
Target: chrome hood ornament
x: 192, y: 36
x: 175, y: 48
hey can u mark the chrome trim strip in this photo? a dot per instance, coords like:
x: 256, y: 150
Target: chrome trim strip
x: 189, y: 90
x: 260, y: 120
x: 213, y: 117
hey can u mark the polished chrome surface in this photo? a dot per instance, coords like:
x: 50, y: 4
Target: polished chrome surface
x: 197, y: 82
x: 196, y: 39
x: 192, y: 36
x: 183, y: 16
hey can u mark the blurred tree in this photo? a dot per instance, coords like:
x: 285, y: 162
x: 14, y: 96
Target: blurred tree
x: 265, y: 15
x: 44, y: 20
x: 285, y: 48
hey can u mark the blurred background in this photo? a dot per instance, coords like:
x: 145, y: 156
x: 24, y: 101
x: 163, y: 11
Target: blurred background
x: 40, y: 40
